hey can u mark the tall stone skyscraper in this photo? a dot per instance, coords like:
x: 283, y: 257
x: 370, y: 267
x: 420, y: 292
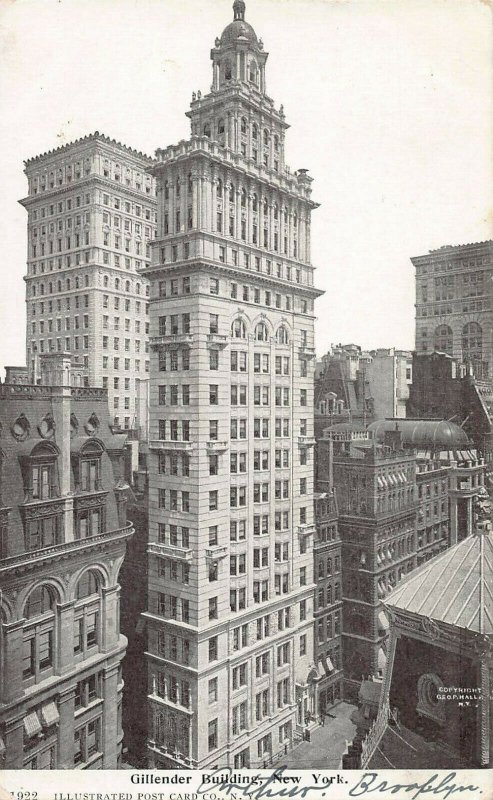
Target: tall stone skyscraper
x: 230, y: 619
x: 91, y: 215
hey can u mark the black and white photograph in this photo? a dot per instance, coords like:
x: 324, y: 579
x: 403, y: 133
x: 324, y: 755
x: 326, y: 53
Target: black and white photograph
x: 246, y: 399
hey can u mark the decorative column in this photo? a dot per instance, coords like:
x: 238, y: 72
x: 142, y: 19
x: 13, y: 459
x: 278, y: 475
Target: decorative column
x: 12, y: 660
x: 214, y: 204
x: 249, y: 218
x: 66, y: 708
x: 238, y: 212
x: 196, y: 217
x: 14, y: 743
x: 110, y: 633
x: 109, y: 733
x: 65, y: 636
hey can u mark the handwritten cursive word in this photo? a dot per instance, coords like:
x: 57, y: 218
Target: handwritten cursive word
x: 258, y: 786
x: 369, y: 782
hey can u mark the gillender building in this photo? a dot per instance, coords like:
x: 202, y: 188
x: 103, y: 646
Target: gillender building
x: 435, y: 704
x: 230, y: 618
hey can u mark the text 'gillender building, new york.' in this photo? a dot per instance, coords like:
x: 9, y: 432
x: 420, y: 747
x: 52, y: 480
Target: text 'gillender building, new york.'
x: 230, y: 618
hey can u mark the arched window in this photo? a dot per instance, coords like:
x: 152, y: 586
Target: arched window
x: 227, y: 70
x: 87, y: 586
x: 243, y: 198
x: 282, y: 336
x: 38, y: 657
x: 40, y: 601
x: 266, y: 137
x: 261, y: 332
x: 87, y: 616
x: 190, y: 183
x: 231, y: 193
x: 276, y: 144
x: 253, y: 72
x: 443, y: 339
x: 266, y: 207
x: 254, y: 131
x: 244, y: 125
x: 86, y: 280
x: 238, y: 329
x: 105, y: 280
x: 221, y: 131
x: 207, y: 130
x: 472, y: 342
x: 137, y: 288
x: 219, y: 190
x: 59, y: 286
x: 117, y: 283
x: 255, y: 202
x: 178, y: 187
x: 166, y: 190
x: 276, y: 211
x: 77, y: 282
x: 127, y: 286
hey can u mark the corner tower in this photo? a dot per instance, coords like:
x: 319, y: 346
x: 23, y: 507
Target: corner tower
x: 230, y: 618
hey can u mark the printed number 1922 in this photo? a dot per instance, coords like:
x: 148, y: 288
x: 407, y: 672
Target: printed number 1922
x: 25, y: 795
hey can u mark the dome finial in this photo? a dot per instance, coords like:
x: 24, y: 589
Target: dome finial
x: 239, y: 9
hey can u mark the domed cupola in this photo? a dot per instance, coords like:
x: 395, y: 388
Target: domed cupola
x: 238, y: 29
x: 238, y: 55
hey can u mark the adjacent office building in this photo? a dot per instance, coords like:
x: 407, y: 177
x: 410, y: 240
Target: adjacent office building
x: 454, y: 305
x: 63, y: 532
x: 91, y: 217
x: 230, y: 619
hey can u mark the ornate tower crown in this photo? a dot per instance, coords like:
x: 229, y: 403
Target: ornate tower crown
x: 238, y: 54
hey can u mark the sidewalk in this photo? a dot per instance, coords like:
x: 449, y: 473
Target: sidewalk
x: 327, y: 742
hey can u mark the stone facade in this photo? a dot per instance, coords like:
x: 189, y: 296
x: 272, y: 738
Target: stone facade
x: 91, y: 217
x: 376, y: 495
x: 327, y: 603
x: 230, y: 620
x: 454, y: 305
x: 63, y: 531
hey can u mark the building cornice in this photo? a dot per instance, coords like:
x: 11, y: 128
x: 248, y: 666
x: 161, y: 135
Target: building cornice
x: 196, y: 265
x: 90, y: 138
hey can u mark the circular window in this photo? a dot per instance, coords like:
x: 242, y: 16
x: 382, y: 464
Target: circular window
x: 20, y: 428
x: 46, y: 427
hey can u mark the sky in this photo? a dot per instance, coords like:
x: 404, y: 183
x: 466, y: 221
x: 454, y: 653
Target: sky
x: 389, y: 102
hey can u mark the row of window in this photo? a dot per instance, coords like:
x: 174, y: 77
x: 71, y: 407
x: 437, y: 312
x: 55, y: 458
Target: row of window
x: 126, y: 343
x: 137, y: 210
x: 328, y: 596
x: 330, y: 625
x: 176, y: 286
x: 177, y: 360
x: 179, y: 536
x: 83, y: 302
x: 179, y: 429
